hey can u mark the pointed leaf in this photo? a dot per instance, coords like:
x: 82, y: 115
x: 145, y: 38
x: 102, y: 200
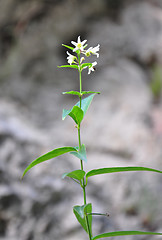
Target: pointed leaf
x: 85, y: 103
x: 80, y: 94
x: 84, y: 65
x: 118, y: 169
x: 52, y: 154
x: 71, y: 48
x: 68, y: 66
x: 75, y: 113
x: 80, y: 213
x: 77, y: 174
x: 72, y: 93
x: 80, y: 210
x: 124, y: 233
x: 89, y: 92
x: 81, y: 154
x: 65, y: 113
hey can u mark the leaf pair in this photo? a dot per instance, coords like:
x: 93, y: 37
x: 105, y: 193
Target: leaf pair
x: 80, y: 94
x: 83, y: 213
x: 77, y: 113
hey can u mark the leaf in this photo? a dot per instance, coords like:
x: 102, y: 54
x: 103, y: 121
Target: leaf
x: 124, y: 233
x: 89, y: 92
x: 80, y: 154
x: 118, y: 169
x: 65, y: 113
x: 80, y: 210
x: 80, y: 213
x: 68, y: 66
x: 71, y: 48
x: 67, y: 46
x: 72, y: 93
x: 80, y: 94
x: 84, y: 65
x: 75, y: 113
x: 52, y: 154
x: 85, y: 103
x: 77, y: 174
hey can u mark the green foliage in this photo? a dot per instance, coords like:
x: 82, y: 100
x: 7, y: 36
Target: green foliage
x: 80, y: 94
x: 77, y: 112
x: 71, y: 48
x: 82, y: 213
x: 123, y: 233
x: 72, y: 93
x: 118, y: 169
x: 85, y: 103
x: 81, y: 153
x: 68, y: 66
x: 77, y: 174
x: 52, y: 154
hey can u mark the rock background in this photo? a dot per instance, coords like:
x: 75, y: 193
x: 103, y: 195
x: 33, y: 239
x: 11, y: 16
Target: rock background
x: 123, y: 125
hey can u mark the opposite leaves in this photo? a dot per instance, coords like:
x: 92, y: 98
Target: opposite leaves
x: 77, y: 113
x: 83, y: 212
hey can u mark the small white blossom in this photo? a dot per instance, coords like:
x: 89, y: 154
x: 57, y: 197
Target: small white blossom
x: 93, y: 51
x: 91, y: 69
x: 79, y: 45
x: 71, y: 58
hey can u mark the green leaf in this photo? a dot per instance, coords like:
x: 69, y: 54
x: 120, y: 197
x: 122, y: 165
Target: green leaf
x: 72, y: 93
x: 85, y: 103
x: 84, y: 65
x: 68, y: 66
x: 71, y: 48
x: 65, y: 113
x: 75, y: 113
x: 80, y: 154
x: 80, y: 94
x: 77, y: 174
x: 52, y: 154
x: 118, y: 169
x: 80, y: 213
x: 124, y: 233
x: 80, y: 210
x: 89, y: 92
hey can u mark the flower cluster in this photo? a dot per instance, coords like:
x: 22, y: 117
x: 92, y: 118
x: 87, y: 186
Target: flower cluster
x: 80, y: 49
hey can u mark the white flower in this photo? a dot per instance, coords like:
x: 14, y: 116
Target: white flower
x: 71, y: 58
x: 93, y: 51
x: 78, y: 45
x: 91, y: 69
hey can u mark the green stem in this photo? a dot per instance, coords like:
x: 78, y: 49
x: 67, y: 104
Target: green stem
x: 79, y: 140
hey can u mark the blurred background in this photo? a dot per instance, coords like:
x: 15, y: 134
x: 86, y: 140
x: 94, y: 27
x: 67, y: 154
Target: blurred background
x: 123, y: 126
